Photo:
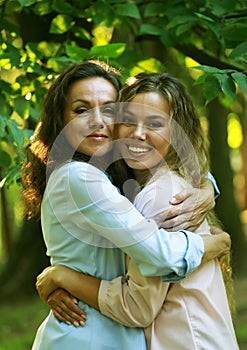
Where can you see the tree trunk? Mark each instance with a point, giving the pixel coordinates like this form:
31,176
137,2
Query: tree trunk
226,206
27,260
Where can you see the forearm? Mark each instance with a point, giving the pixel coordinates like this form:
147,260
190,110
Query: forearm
83,287
133,301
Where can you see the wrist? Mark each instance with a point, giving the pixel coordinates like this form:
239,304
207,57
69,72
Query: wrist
57,276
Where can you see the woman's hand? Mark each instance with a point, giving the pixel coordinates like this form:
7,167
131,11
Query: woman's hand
45,283
189,208
216,245
65,309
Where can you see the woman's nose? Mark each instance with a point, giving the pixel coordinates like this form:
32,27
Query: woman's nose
140,132
96,120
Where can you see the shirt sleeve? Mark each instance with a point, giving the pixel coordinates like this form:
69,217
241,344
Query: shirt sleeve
98,214
133,301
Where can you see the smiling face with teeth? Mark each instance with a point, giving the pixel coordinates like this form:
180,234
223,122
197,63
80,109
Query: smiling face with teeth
144,130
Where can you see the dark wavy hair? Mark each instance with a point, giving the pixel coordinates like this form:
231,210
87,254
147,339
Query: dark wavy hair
34,169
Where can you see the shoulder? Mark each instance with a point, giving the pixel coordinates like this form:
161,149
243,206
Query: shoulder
167,180
81,170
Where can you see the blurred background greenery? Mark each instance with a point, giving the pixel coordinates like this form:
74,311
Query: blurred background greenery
203,43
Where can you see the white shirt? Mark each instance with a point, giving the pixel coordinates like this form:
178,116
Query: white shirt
191,314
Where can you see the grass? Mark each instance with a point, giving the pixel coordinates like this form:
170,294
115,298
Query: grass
19,321
21,318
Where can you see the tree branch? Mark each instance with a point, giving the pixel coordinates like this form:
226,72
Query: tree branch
204,58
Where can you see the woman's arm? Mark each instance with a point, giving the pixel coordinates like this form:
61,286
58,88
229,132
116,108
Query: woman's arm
133,301
189,208
92,202
81,286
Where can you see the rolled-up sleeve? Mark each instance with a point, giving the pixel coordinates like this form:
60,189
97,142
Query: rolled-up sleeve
133,301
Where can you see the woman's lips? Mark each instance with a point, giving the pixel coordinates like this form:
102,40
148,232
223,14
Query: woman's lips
138,151
98,137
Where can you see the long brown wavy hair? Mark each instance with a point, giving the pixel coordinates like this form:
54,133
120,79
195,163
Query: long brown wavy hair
34,169
182,111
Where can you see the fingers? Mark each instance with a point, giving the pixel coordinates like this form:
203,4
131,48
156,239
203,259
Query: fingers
66,319
216,246
183,222
180,197
65,308
215,230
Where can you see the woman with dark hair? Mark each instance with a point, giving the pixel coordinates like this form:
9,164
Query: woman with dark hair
87,225
161,139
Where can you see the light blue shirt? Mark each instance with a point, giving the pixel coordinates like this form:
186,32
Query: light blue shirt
88,226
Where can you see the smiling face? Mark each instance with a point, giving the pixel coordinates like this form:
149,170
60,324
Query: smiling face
144,130
89,115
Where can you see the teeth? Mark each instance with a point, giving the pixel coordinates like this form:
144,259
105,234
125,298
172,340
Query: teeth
137,149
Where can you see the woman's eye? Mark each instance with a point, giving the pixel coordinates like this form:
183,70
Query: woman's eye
154,125
109,112
81,110
127,121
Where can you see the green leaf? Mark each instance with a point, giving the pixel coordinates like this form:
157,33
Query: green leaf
223,6
211,88
17,133
227,85
33,51
129,10
110,50
49,49
5,159
61,24
5,87
241,80
182,19
235,32
13,54
34,113
184,28
2,127
77,53
5,108
210,69
21,106
154,9
62,6
150,65
81,33
239,50
201,79
13,175
58,64
43,8
203,17
26,2
151,29
167,38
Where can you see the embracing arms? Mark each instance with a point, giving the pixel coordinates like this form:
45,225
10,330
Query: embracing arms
127,293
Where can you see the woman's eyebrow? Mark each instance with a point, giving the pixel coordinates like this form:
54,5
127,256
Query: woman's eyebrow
126,110
81,101
157,116
89,102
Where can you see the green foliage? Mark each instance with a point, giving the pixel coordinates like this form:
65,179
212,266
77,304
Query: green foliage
41,38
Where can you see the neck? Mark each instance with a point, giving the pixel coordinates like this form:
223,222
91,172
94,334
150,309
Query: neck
144,175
